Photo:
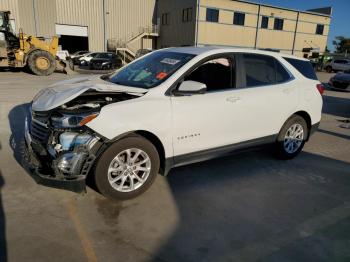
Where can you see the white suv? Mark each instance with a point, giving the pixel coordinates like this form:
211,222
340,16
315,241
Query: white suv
169,108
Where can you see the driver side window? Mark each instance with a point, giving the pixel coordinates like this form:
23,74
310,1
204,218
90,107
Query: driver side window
217,74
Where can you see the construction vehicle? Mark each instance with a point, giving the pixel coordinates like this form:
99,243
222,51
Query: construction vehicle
26,50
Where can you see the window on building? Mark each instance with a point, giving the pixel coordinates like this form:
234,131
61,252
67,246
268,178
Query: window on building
264,22
319,29
238,18
260,70
187,14
166,19
217,74
212,15
278,24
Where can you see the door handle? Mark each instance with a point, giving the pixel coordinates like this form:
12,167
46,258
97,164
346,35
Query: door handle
233,99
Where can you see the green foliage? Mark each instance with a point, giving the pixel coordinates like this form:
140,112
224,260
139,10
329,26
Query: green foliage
342,44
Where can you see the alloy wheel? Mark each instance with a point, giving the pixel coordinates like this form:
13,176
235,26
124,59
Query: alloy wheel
293,138
129,170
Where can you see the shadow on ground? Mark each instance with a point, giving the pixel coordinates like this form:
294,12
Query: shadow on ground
334,134
336,106
3,244
251,207
17,117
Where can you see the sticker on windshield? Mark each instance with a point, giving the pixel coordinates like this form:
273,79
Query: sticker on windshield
170,61
161,75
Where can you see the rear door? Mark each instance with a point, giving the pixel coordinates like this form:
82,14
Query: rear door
267,97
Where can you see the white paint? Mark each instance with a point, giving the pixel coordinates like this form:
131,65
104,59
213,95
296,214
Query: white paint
72,30
208,120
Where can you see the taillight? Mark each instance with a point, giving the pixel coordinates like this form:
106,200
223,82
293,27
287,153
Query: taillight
320,88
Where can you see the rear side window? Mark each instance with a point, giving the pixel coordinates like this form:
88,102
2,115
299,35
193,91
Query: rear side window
304,67
264,70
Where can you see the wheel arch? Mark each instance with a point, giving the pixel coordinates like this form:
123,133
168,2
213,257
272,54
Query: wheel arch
29,53
306,116
153,139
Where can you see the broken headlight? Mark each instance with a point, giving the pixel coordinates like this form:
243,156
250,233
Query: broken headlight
72,121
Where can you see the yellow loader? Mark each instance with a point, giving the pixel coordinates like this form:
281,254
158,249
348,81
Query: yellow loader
26,51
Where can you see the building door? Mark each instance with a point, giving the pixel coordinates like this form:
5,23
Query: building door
73,38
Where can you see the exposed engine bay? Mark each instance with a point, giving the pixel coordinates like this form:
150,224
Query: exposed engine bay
60,138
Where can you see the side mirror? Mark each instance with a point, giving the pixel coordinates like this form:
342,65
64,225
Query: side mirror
190,88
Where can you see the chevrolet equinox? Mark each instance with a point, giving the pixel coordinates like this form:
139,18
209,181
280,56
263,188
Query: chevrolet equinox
171,107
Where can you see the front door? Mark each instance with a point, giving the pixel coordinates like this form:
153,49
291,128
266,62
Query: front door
205,121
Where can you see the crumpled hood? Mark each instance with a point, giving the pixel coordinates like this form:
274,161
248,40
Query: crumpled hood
65,91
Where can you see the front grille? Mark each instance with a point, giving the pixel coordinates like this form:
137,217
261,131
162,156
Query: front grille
38,128
39,132
341,85
42,117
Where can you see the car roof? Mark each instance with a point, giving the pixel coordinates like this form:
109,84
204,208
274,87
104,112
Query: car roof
220,49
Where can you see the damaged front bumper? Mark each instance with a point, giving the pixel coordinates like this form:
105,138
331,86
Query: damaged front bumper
67,170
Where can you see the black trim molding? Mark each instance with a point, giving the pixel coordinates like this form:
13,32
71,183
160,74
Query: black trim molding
208,154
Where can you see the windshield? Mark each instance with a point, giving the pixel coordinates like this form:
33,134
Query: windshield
151,70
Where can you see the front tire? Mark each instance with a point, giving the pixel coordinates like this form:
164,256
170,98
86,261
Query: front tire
41,63
127,168
292,137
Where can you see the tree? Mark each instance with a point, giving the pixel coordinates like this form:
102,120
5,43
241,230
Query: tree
342,44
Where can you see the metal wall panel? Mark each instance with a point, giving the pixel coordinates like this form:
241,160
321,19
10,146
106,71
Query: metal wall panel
177,33
11,5
45,17
26,13
127,18
84,13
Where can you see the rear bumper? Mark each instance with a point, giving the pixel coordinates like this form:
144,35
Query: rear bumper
76,184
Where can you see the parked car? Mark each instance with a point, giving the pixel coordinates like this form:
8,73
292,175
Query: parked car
142,52
63,54
85,59
173,107
105,61
341,81
337,65
79,53
75,58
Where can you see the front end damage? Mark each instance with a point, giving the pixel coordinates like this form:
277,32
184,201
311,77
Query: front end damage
60,148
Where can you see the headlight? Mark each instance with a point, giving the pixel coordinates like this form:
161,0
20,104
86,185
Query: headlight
71,121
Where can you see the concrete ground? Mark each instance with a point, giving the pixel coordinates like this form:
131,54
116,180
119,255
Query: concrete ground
248,207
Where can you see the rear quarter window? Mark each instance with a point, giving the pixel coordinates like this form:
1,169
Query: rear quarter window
304,67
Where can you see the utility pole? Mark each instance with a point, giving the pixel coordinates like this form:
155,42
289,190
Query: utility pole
35,19
257,28
104,25
295,32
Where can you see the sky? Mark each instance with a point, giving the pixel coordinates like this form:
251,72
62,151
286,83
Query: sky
340,23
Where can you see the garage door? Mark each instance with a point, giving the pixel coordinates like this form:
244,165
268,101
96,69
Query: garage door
72,30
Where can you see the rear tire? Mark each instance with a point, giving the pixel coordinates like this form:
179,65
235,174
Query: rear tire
292,137
41,63
120,172
329,69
